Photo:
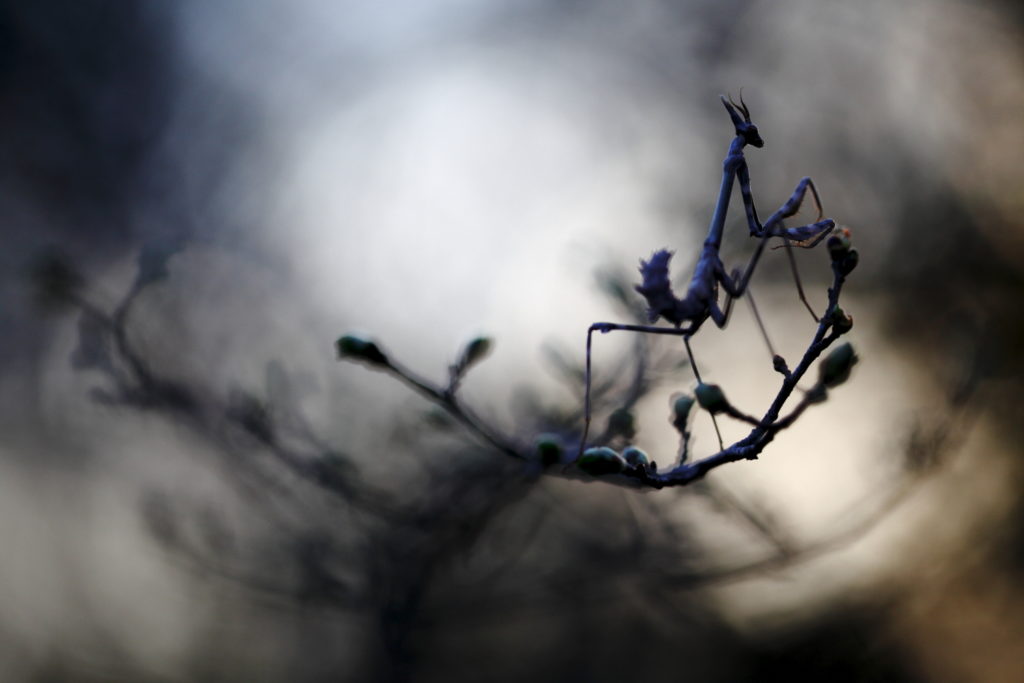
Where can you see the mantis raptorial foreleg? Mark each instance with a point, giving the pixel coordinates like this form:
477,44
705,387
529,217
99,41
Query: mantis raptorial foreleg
804,236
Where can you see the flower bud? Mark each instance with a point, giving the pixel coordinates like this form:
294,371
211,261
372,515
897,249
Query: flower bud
549,449
635,457
601,460
356,347
711,398
817,394
622,423
848,262
841,322
835,369
838,244
475,350
681,408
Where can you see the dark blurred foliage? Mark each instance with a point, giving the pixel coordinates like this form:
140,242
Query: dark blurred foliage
86,89
459,562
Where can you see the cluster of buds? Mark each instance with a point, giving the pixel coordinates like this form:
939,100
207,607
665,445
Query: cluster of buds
603,460
621,429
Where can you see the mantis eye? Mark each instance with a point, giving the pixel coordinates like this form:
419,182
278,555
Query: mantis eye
752,136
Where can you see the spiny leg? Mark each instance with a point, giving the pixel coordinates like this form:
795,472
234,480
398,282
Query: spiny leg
737,284
789,208
605,328
805,236
792,205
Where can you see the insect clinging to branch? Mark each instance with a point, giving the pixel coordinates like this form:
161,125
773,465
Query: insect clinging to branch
701,301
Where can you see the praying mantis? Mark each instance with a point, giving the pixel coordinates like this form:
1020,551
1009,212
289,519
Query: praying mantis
688,314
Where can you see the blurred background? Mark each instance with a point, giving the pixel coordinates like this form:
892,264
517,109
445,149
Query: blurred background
199,198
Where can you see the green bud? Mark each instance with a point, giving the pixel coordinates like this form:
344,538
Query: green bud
475,350
835,369
841,322
817,394
838,244
635,457
356,347
849,262
681,408
622,423
599,461
711,398
549,449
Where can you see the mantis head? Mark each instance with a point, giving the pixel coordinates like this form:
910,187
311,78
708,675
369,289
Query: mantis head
740,116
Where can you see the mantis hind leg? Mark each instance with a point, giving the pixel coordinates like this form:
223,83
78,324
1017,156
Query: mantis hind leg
605,328
796,280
